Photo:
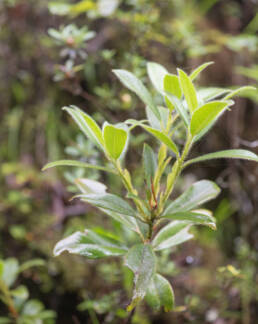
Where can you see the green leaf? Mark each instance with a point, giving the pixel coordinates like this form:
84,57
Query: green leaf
172,234
134,84
87,125
78,164
89,186
115,140
149,163
172,85
207,94
206,115
163,138
109,202
198,193
202,217
199,69
227,154
32,307
57,8
20,292
188,90
5,320
127,221
32,263
84,244
160,294
174,102
141,260
238,91
156,73
10,272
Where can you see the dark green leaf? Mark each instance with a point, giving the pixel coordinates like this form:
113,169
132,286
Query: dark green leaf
141,260
198,193
109,202
149,163
172,234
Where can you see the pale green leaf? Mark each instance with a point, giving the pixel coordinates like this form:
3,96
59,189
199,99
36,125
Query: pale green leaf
172,234
163,138
115,140
196,195
227,154
32,263
174,102
10,271
160,294
134,84
207,94
21,292
199,69
89,186
78,164
188,90
206,115
172,85
238,91
87,125
141,260
156,73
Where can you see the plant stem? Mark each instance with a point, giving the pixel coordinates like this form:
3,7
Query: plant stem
8,299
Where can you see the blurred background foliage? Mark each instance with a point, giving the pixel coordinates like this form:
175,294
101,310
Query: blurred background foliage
56,53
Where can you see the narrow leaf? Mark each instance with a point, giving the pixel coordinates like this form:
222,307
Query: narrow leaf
238,91
207,94
198,193
134,84
141,260
227,154
188,90
80,243
160,294
89,186
172,85
149,163
172,234
156,73
206,115
194,217
163,138
199,69
87,125
109,202
180,109
78,164
115,140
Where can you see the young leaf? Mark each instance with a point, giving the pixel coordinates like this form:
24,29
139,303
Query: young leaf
134,84
198,193
115,140
160,293
109,202
207,94
202,217
237,91
174,102
89,186
88,126
172,85
172,234
78,164
149,163
206,115
199,69
141,260
80,243
227,154
163,138
188,90
156,73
